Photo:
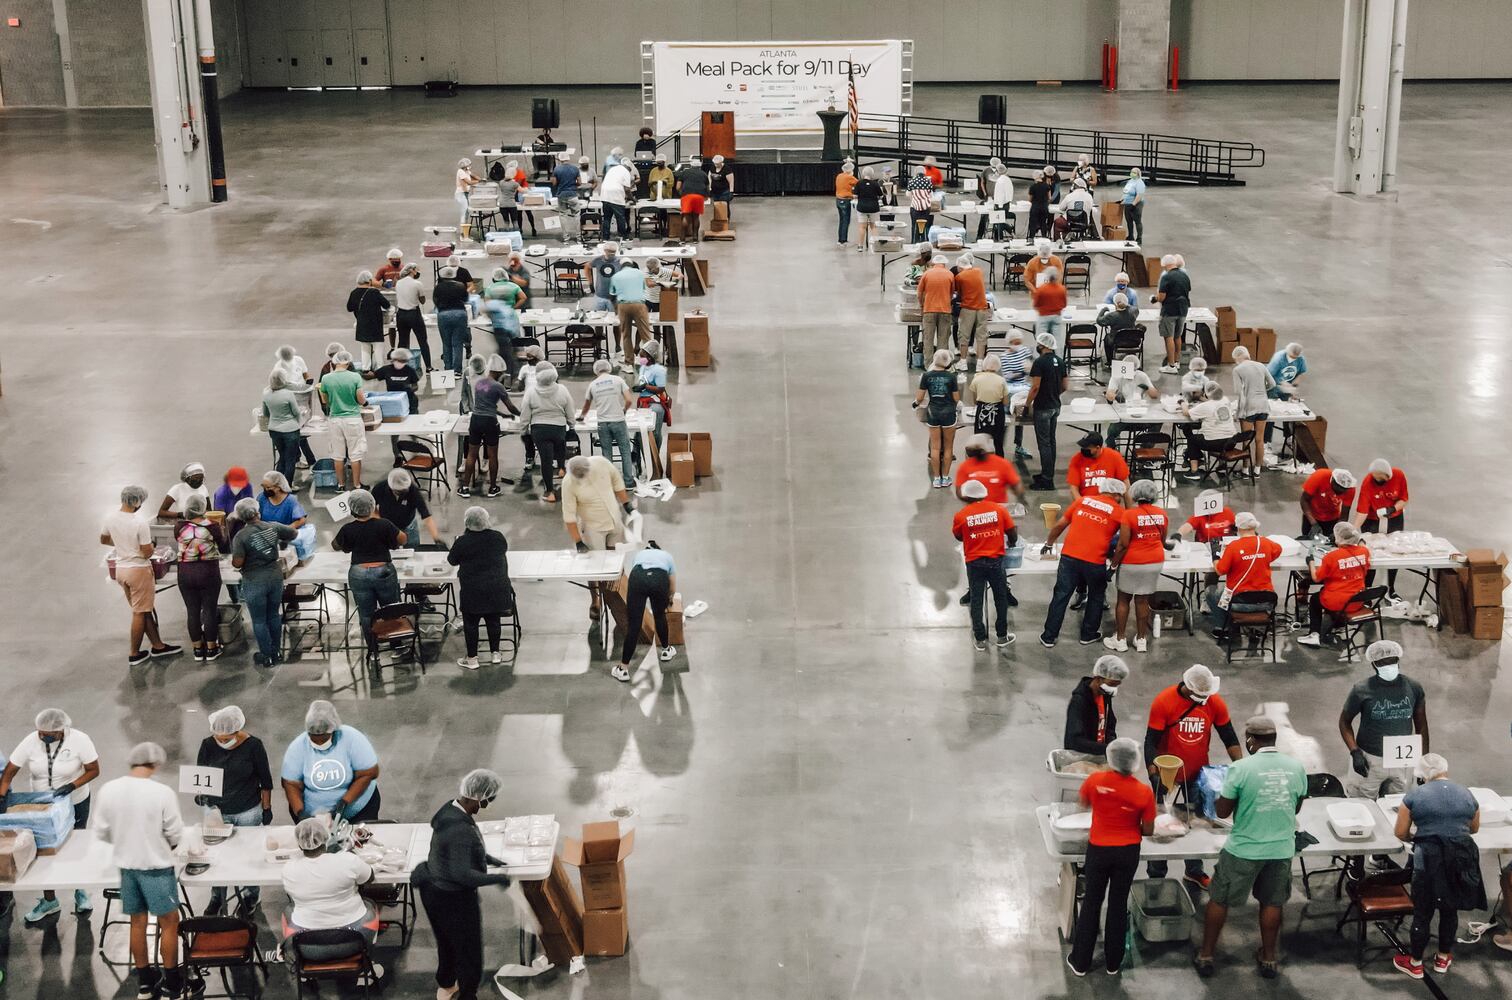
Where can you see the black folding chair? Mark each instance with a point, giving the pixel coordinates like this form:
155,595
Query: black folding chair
396,628
355,961
221,945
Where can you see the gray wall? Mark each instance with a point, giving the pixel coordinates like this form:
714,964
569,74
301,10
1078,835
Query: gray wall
31,65
109,53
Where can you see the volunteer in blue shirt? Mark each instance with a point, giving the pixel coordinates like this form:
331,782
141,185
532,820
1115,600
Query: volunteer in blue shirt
1121,287
628,288
1287,366
331,769
565,178
653,578
1133,205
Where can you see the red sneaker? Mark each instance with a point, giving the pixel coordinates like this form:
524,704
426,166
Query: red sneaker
1408,966
1200,879
1441,963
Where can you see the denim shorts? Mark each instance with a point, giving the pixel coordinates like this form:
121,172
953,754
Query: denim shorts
149,890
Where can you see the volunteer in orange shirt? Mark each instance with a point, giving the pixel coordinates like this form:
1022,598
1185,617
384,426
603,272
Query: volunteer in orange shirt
936,287
1245,566
1208,527
845,185
1090,525
1326,494
1123,813
1094,462
1379,503
1182,720
996,473
1042,260
1138,562
1342,573
985,530
932,171
1049,299
971,292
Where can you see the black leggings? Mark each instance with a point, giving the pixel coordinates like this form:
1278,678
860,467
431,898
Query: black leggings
470,631
413,321
551,442
1109,871
655,586
199,585
1422,924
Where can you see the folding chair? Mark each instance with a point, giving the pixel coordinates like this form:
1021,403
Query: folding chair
397,628
511,618
1234,455
392,896
1081,349
1151,458
419,460
1357,617
1129,343
357,964
1013,270
584,340
1324,786
1248,624
1381,899
566,280
222,944
590,225
1078,271
304,603
113,898
648,217
1078,223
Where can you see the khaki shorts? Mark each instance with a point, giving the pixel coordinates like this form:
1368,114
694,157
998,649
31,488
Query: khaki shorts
348,439
139,585
602,539
1235,879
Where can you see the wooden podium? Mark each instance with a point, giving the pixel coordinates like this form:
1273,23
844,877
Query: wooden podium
717,135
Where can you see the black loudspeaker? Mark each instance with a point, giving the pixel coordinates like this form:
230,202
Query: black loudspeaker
544,113
992,109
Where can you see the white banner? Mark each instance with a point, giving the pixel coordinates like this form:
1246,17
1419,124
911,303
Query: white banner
773,86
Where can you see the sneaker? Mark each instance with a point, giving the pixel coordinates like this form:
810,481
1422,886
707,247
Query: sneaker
1047,643
260,660
1004,641
1204,967
496,657
468,663
199,655
668,653
1200,879
1190,477
213,653
371,978
619,673
1141,645
1095,637
44,908
1310,639
147,983
1170,369
1116,644
965,600
464,491
1077,600
82,903
1019,452
1074,970
1407,966
494,491
167,650
136,658
1219,635
1441,963
981,645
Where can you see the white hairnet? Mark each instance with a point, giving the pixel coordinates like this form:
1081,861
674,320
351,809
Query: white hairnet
364,277
277,479
133,496
227,720
1380,467
1114,487
974,489
940,359
1432,765
52,720
342,358
939,258
334,348
1197,364
1294,350
1245,521
1169,260
1200,680
1045,340
361,503
578,466
1143,491
497,364
1240,354
546,377
1123,755
321,718
1121,300
312,834
1345,533
480,784
1043,246
146,755
447,272
1121,278
1383,651
1111,668
400,480
1343,478
246,510
195,505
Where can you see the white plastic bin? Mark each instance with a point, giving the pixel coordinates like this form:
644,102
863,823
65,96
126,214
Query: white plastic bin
1068,783
1162,910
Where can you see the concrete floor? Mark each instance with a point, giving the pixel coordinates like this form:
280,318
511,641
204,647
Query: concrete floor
836,801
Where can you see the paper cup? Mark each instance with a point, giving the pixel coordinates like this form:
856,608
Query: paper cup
1051,513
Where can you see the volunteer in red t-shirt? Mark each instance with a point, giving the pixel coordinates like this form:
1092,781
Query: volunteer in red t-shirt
985,530
1245,567
1379,505
1208,527
1181,723
992,470
1326,494
1090,525
1123,813
1093,462
1342,573
1138,562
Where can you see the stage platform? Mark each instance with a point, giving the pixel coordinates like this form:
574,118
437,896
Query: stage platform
784,171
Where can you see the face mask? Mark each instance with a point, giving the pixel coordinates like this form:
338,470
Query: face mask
485,803
50,738
226,744
1388,673
1109,691
320,746
1199,699
1088,453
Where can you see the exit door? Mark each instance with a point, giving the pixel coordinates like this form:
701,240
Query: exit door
338,69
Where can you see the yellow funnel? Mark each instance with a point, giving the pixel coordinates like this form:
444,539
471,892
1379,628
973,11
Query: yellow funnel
1168,765
1051,513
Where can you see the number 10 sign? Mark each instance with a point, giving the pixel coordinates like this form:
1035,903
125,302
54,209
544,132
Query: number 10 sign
201,780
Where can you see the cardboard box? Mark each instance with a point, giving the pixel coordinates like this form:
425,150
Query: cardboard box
556,907
681,470
675,621
1153,271
667,311
1111,214
701,444
605,932
1453,605
18,849
1312,441
695,353
1486,623
1134,267
1260,341
677,443
1228,326
1487,578
603,886
599,858
1115,233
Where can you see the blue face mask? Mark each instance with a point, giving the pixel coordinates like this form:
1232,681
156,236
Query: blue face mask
1388,673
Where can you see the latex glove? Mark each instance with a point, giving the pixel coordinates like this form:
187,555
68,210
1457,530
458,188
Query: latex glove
1361,765
1046,549
201,800
628,506
267,817
582,546
64,792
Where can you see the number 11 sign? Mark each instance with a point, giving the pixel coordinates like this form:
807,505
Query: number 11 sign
201,781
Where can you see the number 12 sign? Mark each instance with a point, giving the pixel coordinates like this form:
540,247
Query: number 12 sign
1401,751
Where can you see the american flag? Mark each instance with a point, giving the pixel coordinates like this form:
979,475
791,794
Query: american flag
850,99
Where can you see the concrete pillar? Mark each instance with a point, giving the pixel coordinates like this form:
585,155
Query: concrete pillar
1144,42
173,71
1370,96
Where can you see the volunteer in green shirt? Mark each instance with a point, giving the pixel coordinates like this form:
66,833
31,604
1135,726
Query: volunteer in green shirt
341,390
1262,794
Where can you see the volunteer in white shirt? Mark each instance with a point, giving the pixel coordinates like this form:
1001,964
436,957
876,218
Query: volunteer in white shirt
139,818
1080,197
130,539
409,296
63,760
323,890
1216,427
615,191
191,482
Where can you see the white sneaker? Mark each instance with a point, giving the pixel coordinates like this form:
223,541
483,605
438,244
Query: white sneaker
1171,369
497,657
1310,639
619,673
468,663
960,365
668,652
1116,643
1141,645
442,993
371,980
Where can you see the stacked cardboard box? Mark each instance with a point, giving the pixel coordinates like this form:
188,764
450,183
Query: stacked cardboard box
1111,215
1484,580
555,904
1228,331
696,340
1260,341
680,462
600,860
720,227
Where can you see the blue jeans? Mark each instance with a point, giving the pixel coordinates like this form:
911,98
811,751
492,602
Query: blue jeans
372,586
286,448
264,600
843,206
248,894
982,574
617,217
1055,325
454,331
1072,574
610,434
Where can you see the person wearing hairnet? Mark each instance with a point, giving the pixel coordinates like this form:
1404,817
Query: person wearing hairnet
1326,495
1387,703
1182,720
330,769
985,530
934,294
1378,508
1137,563
129,537
1342,573
201,542
372,580
344,397
60,759
1252,385
1174,295
246,797
370,308
481,556
1091,723
1090,525
254,551
323,894
139,818
1262,793
920,203
1123,813
1437,818
1213,425
449,880
401,502
1040,193
191,483
1245,567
